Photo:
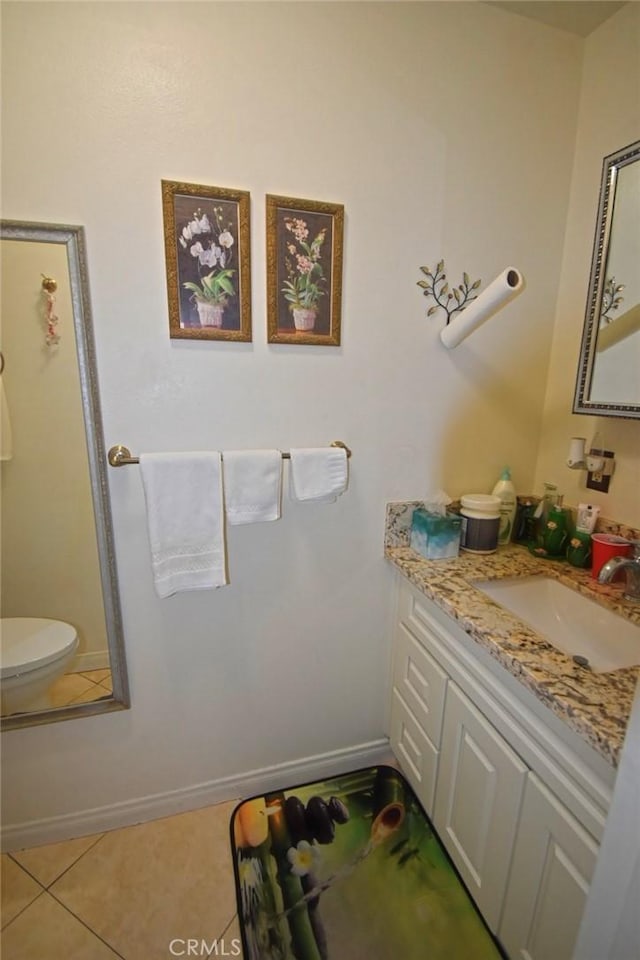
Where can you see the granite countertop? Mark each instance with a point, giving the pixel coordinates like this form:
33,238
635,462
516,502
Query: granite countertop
595,705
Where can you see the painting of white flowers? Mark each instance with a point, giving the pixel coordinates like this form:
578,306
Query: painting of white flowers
304,271
207,249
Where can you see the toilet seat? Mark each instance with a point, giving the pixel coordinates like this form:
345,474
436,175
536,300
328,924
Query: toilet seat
28,643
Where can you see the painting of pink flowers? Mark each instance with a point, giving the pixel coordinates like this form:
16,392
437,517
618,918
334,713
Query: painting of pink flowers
206,231
304,271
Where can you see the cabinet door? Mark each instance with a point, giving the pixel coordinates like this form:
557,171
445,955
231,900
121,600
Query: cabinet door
478,797
416,754
553,862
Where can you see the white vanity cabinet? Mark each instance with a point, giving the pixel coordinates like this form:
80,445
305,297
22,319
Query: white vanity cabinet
517,798
479,792
553,861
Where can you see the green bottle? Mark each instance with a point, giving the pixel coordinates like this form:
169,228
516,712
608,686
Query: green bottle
555,533
579,549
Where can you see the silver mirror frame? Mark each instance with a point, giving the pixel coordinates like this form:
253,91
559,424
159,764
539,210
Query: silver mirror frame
74,240
581,403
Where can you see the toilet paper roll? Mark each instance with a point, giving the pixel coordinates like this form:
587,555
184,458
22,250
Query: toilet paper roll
497,295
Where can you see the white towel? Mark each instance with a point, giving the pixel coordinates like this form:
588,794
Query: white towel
318,474
183,493
252,484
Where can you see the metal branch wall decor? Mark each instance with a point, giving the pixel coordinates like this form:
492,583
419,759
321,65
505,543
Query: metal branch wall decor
451,300
611,299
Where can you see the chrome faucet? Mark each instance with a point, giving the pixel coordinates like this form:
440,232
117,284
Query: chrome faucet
631,567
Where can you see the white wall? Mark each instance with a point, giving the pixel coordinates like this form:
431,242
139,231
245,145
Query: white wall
447,130
608,119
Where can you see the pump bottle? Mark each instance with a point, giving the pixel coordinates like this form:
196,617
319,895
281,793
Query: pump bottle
505,490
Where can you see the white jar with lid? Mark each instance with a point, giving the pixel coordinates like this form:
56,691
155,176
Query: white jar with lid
480,514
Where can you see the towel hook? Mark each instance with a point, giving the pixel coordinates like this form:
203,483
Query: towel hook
49,286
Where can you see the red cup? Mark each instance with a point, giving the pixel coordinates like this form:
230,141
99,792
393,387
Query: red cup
605,546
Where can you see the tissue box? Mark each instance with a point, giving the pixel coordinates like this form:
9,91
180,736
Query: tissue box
434,536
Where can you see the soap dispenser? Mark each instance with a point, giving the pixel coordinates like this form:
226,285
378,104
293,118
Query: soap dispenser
505,490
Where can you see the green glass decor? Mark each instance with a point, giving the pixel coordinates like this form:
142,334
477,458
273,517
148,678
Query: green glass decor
555,533
579,549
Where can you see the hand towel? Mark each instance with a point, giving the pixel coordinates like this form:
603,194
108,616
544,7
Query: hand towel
183,494
319,474
252,484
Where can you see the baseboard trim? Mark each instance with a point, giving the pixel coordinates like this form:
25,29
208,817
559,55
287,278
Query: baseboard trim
93,660
100,819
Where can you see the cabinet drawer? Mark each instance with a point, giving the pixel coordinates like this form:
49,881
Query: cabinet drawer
416,754
413,610
421,682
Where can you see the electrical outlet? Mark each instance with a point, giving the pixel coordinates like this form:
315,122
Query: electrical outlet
600,481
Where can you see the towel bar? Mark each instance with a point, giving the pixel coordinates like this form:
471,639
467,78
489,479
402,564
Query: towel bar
120,456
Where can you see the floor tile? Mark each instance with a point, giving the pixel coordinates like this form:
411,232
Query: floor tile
46,930
67,688
232,939
47,863
96,676
18,889
96,692
143,886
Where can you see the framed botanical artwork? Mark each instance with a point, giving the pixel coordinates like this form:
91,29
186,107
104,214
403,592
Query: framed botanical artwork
304,271
207,250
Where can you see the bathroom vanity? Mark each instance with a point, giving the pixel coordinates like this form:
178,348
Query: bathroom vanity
510,745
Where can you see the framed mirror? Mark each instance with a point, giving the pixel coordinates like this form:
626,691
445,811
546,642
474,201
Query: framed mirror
62,650
608,382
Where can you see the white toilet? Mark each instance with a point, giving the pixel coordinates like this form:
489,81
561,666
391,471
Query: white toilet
33,653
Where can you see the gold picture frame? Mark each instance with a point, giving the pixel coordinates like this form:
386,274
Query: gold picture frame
304,271
208,260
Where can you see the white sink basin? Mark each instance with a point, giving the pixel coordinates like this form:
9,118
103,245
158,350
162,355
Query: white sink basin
570,621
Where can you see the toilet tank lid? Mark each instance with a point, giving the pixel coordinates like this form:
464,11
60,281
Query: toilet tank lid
30,642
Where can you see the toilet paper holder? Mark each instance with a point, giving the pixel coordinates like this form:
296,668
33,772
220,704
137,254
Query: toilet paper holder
466,310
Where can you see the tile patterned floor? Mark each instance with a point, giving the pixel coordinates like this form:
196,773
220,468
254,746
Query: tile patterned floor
138,893
81,687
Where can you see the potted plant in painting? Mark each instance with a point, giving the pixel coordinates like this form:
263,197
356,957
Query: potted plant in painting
302,290
211,244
